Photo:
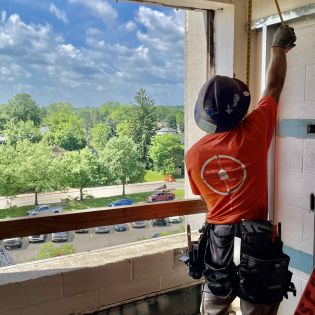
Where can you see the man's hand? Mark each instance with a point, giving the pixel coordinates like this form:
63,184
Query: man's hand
283,41
284,37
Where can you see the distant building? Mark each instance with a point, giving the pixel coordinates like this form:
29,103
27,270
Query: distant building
166,131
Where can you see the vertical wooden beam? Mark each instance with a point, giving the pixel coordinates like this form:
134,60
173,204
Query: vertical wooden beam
210,44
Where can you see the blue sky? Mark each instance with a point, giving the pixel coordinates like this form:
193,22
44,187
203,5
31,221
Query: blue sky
88,52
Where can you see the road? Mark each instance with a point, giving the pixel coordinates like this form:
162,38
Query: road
91,241
97,192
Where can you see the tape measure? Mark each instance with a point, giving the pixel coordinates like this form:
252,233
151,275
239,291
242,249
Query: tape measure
249,23
279,12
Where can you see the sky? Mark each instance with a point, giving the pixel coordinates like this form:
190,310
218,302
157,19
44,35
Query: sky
88,52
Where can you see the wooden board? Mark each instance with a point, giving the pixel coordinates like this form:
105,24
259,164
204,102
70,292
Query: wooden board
69,221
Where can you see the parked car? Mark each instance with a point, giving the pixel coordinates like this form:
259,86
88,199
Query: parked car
44,210
138,224
121,202
36,238
12,242
159,222
162,195
175,219
82,231
101,229
59,237
121,227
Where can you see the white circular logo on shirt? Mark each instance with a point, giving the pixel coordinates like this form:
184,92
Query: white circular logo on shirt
223,174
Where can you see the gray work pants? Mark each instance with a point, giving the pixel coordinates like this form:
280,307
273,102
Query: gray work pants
213,305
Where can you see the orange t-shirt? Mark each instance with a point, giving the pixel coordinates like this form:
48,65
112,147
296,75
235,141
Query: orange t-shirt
229,169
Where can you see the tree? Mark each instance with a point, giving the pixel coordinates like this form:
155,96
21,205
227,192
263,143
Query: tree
100,136
22,130
180,120
59,107
143,124
81,169
38,169
171,121
9,177
22,108
122,161
65,129
3,117
167,153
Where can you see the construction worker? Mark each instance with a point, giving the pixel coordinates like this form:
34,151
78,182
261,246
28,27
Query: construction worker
228,169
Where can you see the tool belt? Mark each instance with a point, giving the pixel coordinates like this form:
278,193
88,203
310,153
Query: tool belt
195,258
262,277
263,271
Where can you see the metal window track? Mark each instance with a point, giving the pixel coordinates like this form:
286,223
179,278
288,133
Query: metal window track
287,16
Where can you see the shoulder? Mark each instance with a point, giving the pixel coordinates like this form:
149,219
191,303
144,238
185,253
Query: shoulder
195,149
267,100
266,106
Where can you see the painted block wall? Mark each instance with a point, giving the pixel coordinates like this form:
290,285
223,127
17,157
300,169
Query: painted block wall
295,158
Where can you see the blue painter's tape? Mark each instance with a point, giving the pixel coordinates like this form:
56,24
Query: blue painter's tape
296,128
299,260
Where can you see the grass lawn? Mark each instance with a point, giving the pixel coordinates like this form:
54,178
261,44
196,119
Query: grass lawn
152,176
85,204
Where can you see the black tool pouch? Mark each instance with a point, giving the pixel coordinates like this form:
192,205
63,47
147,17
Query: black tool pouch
264,277
220,272
195,258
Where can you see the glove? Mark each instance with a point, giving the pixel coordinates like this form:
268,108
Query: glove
284,37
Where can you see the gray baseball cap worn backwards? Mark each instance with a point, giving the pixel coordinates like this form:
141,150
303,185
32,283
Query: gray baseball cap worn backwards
222,104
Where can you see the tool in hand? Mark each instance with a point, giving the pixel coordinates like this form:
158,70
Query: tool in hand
279,12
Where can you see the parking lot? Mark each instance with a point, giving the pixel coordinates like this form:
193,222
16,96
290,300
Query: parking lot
83,242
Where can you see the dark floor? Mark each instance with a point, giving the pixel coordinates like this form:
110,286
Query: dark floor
180,302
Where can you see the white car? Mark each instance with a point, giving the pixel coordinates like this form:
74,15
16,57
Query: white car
12,242
102,229
59,237
175,219
36,238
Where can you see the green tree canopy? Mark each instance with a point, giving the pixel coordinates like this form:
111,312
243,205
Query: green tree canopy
81,169
180,120
65,129
22,130
143,124
9,177
37,168
122,161
100,136
167,153
59,107
22,108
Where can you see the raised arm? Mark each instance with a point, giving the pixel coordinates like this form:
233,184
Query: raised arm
283,41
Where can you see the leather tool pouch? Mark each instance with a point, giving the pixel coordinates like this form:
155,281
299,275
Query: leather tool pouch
220,272
263,273
195,260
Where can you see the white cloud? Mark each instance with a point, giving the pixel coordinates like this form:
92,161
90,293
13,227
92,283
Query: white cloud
130,26
60,15
33,54
99,8
68,50
26,40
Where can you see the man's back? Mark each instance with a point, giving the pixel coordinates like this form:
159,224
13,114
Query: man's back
229,169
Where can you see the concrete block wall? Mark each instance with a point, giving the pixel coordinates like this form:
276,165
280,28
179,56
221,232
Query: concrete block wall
295,158
95,279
